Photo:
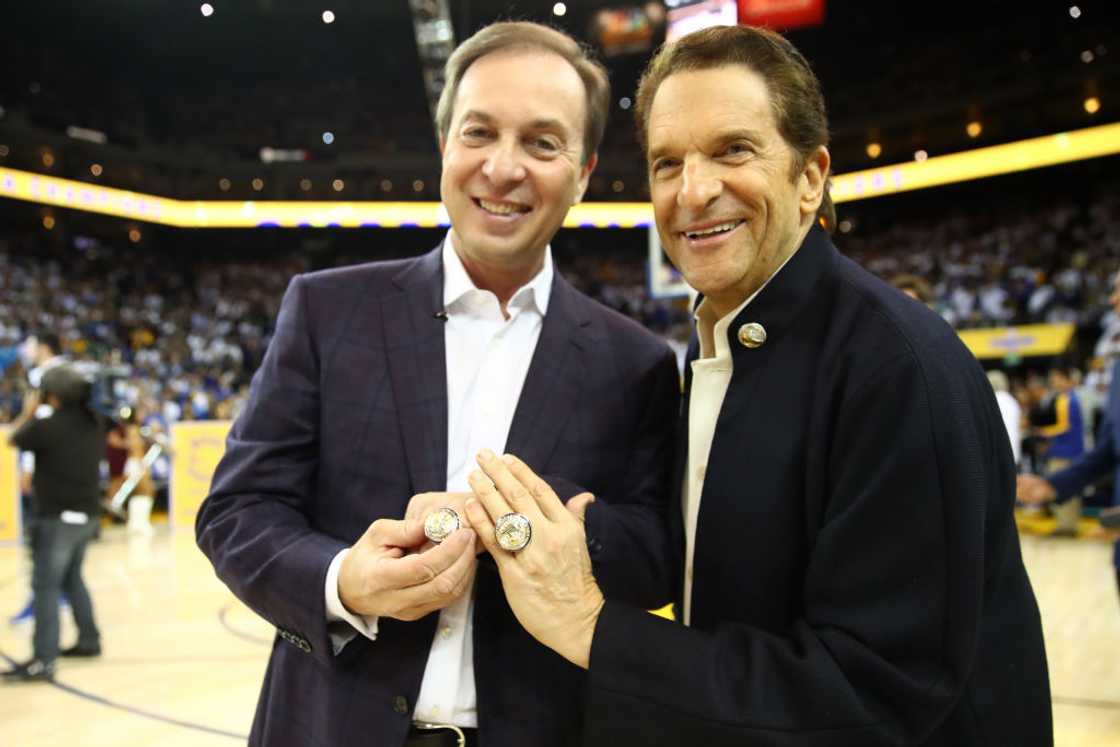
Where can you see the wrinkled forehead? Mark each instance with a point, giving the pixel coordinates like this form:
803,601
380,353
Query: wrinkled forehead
699,101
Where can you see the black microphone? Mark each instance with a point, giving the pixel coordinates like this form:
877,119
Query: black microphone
441,315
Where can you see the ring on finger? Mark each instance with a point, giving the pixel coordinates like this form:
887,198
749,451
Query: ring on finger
513,531
439,524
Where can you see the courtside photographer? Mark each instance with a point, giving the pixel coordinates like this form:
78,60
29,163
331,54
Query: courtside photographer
68,445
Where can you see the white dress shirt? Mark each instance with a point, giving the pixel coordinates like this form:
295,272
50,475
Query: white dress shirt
711,375
488,357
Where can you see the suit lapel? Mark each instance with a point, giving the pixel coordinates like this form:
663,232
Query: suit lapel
415,349
553,383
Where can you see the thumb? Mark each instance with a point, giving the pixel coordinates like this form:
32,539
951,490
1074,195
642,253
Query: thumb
403,533
578,504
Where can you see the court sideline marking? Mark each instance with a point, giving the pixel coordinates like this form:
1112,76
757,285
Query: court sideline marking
131,709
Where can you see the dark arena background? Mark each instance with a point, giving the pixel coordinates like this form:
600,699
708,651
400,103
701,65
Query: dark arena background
167,166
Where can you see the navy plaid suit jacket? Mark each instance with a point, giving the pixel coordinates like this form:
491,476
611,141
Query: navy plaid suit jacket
347,420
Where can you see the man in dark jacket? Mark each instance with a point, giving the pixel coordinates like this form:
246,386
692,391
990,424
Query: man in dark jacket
849,567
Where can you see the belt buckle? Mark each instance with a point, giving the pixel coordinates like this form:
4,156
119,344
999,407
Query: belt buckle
427,726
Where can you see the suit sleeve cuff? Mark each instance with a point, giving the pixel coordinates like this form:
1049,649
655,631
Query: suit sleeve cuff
337,613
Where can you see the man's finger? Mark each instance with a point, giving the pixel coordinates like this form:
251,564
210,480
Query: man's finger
488,495
577,504
450,584
516,493
420,568
543,495
396,533
483,524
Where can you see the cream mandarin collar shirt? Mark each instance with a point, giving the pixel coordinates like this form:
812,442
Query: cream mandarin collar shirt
711,375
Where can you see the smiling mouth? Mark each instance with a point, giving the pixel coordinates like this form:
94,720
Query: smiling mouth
722,228
501,208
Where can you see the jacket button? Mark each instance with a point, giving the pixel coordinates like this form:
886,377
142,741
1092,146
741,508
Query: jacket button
752,335
400,705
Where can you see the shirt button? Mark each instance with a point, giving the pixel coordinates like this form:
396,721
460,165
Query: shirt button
400,704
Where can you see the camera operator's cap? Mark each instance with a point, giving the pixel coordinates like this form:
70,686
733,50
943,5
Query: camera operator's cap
67,384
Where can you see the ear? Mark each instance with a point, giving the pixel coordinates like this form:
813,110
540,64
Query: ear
585,177
812,180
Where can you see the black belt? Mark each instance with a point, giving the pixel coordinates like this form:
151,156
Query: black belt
431,735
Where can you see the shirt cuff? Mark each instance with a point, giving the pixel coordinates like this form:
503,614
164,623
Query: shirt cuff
337,613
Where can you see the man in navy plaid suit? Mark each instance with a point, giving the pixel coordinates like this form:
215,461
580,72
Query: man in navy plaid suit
381,383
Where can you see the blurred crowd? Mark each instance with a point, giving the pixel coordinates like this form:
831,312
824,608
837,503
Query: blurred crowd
183,336
1039,265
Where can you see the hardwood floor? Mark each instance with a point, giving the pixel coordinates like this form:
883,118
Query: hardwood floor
184,659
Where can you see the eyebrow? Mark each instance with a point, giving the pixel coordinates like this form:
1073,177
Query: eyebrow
721,138
545,123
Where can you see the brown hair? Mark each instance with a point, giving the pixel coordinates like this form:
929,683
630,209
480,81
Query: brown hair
795,92
521,35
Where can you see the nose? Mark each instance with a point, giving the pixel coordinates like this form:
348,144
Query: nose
700,186
502,165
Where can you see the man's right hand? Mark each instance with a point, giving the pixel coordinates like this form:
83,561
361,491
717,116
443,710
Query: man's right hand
1034,489
379,577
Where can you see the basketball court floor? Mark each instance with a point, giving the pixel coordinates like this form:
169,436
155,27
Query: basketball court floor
184,659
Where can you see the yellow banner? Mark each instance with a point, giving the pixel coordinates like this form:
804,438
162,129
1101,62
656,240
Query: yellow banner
1062,147
9,489
196,450
1022,341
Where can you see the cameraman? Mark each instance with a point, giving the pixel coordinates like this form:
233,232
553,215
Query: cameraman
68,445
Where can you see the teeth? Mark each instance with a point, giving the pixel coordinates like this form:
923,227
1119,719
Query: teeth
499,208
721,228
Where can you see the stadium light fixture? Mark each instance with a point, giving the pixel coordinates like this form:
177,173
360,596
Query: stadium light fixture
328,17
974,128
328,137
207,10
1074,12
96,169
559,9
1092,105
874,150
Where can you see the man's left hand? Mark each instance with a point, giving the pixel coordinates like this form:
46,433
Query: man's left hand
549,583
